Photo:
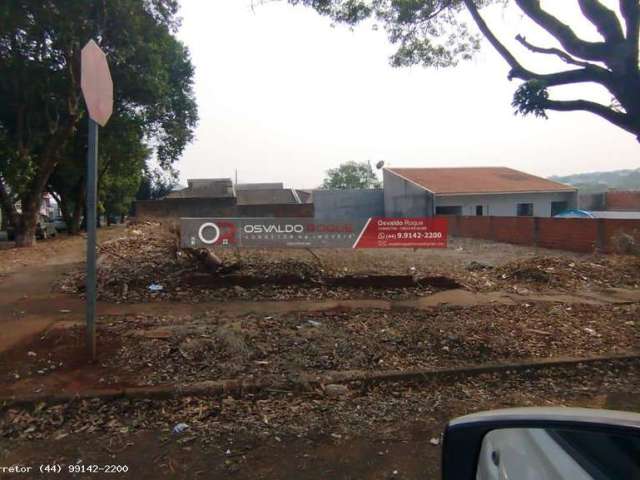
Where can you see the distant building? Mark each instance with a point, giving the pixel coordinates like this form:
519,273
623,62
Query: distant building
623,200
259,186
219,197
494,191
205,188
244,193
305,196
265,194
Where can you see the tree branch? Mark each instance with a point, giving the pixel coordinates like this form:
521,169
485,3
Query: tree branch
564,56
605,20
619,119
591,74
595,51
493,40
630,10
48,161
560,78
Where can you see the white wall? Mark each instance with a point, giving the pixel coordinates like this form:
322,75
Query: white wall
506,205
405,199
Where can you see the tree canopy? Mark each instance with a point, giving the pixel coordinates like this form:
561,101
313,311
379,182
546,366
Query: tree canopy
351,175
156,184
41,106
434,33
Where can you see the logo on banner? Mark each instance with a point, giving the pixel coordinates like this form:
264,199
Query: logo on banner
217,233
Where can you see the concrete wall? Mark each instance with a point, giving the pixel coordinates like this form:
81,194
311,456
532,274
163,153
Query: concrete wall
216,207
272,210
506,205
348,204
186,207
592,201
405,199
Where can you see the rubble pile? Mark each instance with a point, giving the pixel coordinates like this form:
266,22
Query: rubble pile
560,273
213,347
151,350
147,265
376,410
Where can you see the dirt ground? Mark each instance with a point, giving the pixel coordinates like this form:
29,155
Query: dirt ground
156,350
475,303
386,432
146,265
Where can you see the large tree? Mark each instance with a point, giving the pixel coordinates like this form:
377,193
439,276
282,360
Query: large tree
156,183
351,175
41,107
434,33
121,163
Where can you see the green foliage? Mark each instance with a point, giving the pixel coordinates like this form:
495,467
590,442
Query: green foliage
121,164
433,33
426,32
156,184
41,107
351,175
530,99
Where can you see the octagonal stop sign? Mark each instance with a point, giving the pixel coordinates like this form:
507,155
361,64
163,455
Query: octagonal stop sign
96,83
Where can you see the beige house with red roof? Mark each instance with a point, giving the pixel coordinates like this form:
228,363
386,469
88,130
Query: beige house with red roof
494,191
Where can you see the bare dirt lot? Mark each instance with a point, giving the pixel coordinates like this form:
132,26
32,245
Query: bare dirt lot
146,265
383,433
152,350
291,320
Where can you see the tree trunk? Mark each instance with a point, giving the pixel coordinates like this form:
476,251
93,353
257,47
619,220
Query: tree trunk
63,205
25,228
9,213
74,225
83,224
26,234
4,221
66,214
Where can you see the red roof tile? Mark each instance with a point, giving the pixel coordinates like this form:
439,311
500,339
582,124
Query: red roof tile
469,180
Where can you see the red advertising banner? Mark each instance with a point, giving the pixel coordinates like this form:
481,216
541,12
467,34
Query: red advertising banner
424,232
377,232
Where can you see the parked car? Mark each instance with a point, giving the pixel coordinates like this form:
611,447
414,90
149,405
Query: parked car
45,228
542,443
60,224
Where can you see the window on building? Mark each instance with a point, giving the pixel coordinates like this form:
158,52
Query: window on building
525,209
558,207
479,210
456,210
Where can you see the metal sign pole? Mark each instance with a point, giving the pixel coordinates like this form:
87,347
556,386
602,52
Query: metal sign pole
97,88
92,191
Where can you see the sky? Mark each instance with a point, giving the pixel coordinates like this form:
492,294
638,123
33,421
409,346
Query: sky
283,96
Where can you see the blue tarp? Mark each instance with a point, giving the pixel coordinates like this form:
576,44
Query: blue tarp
574,214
